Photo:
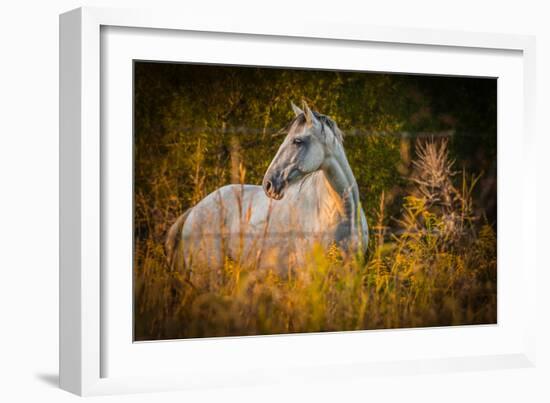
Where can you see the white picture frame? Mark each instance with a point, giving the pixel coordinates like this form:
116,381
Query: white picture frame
96,354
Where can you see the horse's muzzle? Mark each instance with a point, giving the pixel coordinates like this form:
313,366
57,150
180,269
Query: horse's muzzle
274,188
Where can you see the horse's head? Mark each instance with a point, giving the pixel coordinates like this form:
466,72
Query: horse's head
308,143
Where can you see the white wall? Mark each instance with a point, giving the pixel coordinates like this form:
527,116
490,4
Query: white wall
29,209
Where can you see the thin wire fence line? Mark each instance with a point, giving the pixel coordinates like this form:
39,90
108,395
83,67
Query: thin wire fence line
249,131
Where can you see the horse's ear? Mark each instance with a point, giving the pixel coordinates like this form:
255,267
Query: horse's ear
308,114
297,111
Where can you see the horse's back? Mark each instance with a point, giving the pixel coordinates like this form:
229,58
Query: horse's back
214,226
222,209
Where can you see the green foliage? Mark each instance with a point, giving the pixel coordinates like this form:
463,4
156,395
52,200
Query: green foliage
196,124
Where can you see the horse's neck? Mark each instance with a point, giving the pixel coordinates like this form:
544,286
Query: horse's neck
327,205
330,196
339,176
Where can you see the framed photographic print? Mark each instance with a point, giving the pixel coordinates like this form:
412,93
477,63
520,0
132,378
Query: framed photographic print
251,214
237,198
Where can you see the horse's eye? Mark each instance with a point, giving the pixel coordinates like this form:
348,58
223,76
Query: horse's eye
297,141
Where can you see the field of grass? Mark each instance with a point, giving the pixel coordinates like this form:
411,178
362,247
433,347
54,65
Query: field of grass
438,269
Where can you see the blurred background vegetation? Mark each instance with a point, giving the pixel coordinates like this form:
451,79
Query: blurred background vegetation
196,125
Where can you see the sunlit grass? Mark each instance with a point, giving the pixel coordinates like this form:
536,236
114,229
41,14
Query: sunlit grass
439,269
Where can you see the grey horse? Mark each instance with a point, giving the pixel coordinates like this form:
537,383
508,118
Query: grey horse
308,196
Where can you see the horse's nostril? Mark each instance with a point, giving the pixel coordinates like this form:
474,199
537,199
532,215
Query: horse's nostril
268,186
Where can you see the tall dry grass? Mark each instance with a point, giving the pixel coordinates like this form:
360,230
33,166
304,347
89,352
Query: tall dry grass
438,269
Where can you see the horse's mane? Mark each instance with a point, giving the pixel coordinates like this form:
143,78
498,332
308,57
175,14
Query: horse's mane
300,120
